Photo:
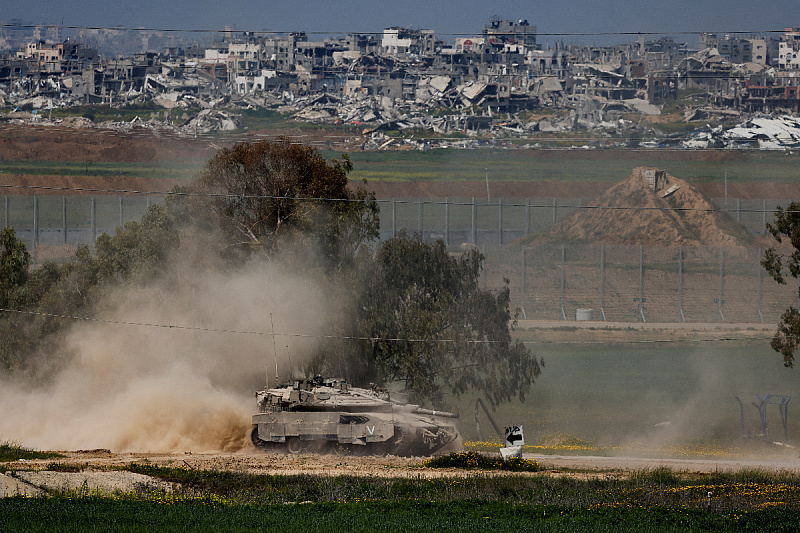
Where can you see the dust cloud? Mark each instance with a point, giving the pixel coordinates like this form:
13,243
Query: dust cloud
694,402
687,413
132,385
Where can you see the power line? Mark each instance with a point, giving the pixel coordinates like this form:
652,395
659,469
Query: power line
362,338
397,201
245,332
344,32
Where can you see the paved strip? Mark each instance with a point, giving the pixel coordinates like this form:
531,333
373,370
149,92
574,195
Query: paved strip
599,324
782,463
10,486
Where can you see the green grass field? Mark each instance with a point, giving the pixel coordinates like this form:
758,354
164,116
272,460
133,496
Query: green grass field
97,514
568,165
657,500
154,169
473,165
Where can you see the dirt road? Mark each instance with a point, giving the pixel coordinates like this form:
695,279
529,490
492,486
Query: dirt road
783,458
97,469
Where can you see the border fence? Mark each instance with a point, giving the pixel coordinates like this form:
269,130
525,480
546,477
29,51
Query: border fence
641,284
498,221
547,282
50,225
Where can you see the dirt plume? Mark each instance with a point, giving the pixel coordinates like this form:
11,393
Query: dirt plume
171,367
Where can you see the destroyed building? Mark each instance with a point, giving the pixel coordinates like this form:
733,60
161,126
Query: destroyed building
394,80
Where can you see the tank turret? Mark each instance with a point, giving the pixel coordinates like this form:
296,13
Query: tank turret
328,415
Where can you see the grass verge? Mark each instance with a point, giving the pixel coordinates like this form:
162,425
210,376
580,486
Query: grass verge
13,452
98,514
652,500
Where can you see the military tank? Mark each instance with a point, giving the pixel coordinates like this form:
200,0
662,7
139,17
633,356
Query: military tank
328,415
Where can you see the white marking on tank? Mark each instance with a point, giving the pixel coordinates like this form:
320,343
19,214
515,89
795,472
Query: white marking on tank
371,430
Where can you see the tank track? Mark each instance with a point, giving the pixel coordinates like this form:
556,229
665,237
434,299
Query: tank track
293,445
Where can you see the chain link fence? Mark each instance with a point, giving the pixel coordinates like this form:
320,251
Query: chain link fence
52,226
640,283
547,282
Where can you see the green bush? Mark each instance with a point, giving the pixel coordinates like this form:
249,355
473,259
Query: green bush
479,461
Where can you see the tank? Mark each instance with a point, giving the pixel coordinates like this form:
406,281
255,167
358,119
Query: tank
328,415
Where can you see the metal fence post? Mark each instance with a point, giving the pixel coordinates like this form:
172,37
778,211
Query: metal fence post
121,223
680,283
527,216
554,210
474,222
6,221
419,217
641,282
35,229
758,299
561,298
394,218
522,285
447,221
64,216
94,220
483,272
602,278
721,274
35,221
764,214
500,220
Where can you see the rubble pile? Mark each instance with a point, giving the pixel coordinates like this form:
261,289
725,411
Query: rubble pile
497,86
454,110
210,120
481,112
459,110
780,132
205,122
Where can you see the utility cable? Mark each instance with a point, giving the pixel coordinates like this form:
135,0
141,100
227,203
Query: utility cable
363,338
380,201
343,32
244,332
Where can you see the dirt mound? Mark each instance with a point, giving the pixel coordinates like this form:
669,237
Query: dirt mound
631,212
89,185
58,143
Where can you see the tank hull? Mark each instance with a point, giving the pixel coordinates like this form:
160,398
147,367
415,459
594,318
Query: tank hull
368,434
325,417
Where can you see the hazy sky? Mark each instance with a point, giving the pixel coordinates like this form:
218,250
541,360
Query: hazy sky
451,17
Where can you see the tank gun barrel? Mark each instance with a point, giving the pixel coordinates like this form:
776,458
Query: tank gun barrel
431,412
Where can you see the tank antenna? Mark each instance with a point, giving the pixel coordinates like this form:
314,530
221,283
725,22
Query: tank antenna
289,360
275,351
